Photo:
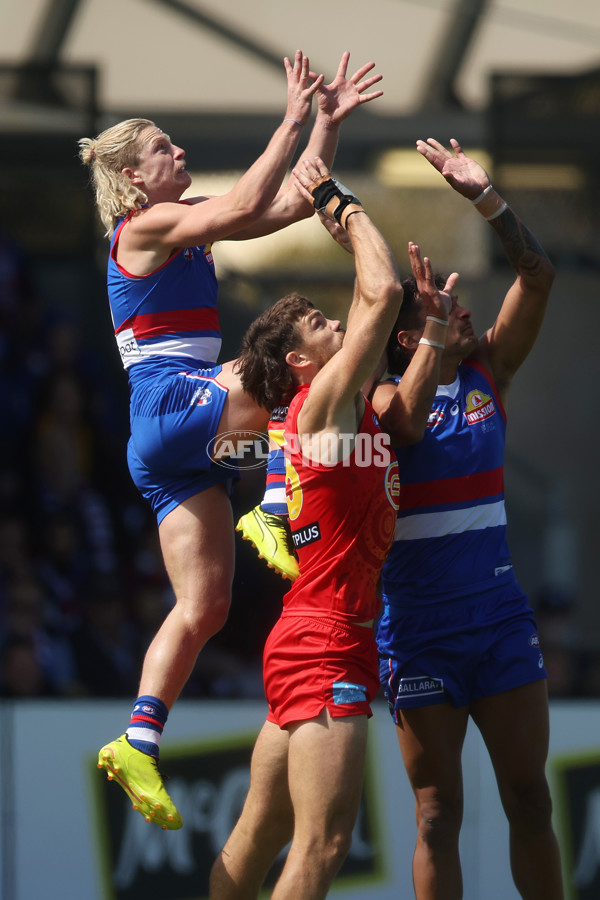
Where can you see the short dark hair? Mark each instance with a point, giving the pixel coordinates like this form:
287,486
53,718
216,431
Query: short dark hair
262,366
409,317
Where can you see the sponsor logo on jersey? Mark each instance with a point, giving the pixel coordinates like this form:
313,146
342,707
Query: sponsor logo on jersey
347,692
392,484
534,641
208,254
188,253
307,535
420,685
127,344
480,406
279,414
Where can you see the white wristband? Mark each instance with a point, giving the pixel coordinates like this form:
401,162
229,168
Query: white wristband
483,194
429,343
498,212
435,319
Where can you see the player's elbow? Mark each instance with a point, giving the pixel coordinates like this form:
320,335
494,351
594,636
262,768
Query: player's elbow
302,211
539,279
390,293
250,209
249,206
405,435
290,206
413,434
550,272
547,273
404,427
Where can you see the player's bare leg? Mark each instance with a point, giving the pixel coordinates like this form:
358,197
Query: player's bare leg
436,779
515,728
326,764
265,825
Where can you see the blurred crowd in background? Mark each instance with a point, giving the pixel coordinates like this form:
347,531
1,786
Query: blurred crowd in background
82,584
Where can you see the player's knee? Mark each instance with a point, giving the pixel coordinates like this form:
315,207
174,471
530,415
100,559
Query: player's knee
214,614
439,824
530,807
277,832
325,847
205,616
334,850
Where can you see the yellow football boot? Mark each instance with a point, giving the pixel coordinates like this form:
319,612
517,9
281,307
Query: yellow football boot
270,536
138,775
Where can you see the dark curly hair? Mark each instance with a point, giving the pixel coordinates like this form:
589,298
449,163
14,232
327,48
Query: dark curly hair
409,317
264,372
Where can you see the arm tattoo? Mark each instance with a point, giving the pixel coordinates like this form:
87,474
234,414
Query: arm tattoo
524,252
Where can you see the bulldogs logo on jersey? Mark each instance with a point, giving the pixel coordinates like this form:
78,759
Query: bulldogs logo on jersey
203,396
436,417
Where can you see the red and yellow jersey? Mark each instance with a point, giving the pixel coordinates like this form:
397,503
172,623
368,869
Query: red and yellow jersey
342,518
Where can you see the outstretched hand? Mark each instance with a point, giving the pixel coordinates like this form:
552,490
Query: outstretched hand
308,175
437,302
337,99
327,195
302,85
462,173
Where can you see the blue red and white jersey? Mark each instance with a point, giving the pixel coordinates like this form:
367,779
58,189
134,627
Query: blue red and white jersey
171,311
450,538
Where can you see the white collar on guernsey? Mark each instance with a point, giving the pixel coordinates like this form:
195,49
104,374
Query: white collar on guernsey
449,390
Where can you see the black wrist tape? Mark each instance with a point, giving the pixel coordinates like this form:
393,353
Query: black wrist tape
326,191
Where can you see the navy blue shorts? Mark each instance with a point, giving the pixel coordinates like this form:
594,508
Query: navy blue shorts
175,409
458,652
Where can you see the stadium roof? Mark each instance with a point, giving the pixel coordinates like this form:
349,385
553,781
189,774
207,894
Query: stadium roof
182,58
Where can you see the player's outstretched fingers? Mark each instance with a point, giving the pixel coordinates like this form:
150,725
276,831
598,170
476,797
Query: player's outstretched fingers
316,169
434,152
416,263
309,174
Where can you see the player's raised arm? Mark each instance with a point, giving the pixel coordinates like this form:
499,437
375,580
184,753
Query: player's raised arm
335,102
507,343
376,299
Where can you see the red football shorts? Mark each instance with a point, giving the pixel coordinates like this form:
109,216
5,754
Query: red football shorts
312,663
